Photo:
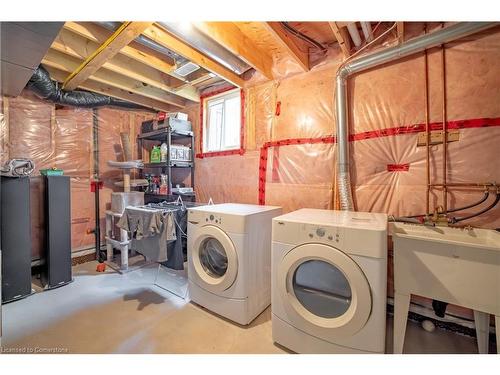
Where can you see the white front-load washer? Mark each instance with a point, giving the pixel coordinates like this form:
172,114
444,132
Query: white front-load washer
329,273
229,258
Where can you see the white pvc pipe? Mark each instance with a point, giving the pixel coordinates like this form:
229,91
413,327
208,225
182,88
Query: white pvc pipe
354,33
367,31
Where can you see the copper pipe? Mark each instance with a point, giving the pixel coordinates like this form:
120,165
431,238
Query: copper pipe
427,132
369,61
445,135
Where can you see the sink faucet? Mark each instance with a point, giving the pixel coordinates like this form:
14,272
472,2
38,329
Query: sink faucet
438,217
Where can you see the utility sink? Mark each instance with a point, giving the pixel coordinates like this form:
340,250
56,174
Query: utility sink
455,265
471,237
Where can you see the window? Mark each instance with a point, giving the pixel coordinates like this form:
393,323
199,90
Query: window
222,122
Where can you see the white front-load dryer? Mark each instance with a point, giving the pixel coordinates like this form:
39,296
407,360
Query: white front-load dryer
329,273
229,258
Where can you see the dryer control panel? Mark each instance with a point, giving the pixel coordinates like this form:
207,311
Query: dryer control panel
323,234
288,232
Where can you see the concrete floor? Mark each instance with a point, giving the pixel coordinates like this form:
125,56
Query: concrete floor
113,313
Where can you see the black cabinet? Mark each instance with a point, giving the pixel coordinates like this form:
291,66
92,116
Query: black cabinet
15,238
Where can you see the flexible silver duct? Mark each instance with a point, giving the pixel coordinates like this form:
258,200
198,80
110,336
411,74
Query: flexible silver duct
412,46
45,88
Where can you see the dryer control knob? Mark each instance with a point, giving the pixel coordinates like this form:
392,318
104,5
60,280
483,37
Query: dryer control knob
211,217
320,232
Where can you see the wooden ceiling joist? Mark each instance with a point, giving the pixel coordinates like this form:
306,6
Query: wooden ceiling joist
289,44
209,82
195,83
114,92
123,35
230,36
401,31
197,74
68,64
342,37
164,38
188,92
77,46
134,50
202,78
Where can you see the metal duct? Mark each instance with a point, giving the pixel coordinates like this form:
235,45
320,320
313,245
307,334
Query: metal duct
145,41
207,46
415,45
195,38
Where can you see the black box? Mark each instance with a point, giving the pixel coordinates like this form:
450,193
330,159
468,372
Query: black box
177,125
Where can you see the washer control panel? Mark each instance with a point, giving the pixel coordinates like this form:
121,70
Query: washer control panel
213,219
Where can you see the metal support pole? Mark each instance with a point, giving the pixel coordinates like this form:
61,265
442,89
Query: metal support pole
97,230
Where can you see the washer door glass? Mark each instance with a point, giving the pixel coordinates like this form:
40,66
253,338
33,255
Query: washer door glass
322,289
213,257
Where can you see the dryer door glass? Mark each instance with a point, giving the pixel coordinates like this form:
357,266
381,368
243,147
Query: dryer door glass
322,289
213,257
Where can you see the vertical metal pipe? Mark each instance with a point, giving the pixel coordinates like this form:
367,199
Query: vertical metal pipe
343,172
95,138
169,161
192,161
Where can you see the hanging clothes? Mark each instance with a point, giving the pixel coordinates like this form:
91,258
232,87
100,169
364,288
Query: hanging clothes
150,229
175,249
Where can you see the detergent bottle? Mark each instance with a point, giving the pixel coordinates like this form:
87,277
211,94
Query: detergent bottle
155,155
164,152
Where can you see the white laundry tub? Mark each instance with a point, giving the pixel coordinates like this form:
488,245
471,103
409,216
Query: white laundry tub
455,265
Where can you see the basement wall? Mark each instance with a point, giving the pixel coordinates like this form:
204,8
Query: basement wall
61,137
387,114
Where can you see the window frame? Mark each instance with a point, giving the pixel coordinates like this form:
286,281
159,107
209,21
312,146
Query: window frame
203,116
